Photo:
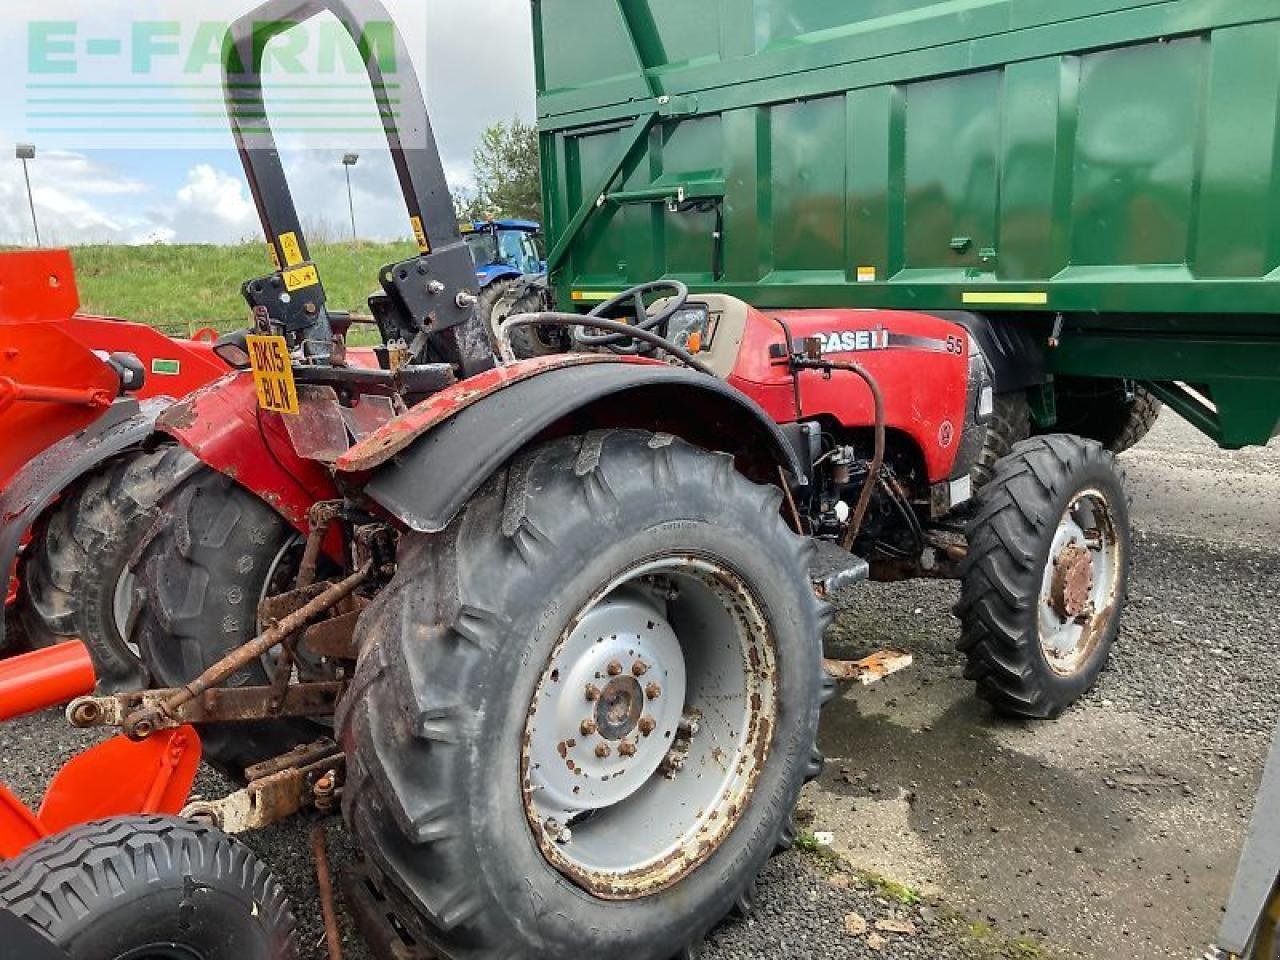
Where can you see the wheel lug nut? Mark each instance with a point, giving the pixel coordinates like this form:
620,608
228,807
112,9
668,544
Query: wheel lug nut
588,727
653,691
647,725
627,748
639,668
593,692
614,668
602,750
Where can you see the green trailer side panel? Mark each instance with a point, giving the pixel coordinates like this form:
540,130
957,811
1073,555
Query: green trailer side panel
1099,159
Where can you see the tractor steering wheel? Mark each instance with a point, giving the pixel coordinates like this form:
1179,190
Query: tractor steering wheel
676,291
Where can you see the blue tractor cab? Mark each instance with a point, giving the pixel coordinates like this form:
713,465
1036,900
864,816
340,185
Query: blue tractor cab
504,249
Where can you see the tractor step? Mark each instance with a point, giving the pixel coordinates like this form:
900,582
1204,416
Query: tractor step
833,569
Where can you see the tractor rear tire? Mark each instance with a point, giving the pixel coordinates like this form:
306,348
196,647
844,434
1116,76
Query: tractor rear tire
76,579
1044,583
462,656
219,551
1103,410
1010,424
496,304
136,887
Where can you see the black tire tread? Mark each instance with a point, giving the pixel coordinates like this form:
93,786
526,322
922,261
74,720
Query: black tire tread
185,579
1001,574
81,546
1010,424
400,769
53,884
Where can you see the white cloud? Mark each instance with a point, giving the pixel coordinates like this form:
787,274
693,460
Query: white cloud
212,207
66,187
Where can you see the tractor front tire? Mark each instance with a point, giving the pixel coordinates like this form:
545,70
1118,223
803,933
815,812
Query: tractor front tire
143,887
218,553
76,580
1044,583
556,648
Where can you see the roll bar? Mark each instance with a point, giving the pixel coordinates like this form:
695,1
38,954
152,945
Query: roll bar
431,294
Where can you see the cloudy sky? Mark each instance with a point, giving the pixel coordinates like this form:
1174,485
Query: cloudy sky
133,147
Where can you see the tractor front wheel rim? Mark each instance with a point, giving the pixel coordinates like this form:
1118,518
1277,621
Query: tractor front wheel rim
1081,583
649,727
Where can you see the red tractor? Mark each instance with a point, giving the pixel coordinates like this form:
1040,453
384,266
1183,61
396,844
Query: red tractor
561,615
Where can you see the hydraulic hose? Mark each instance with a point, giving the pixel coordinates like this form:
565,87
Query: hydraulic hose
877,460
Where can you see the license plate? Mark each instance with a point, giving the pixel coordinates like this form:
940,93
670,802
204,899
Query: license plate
273,374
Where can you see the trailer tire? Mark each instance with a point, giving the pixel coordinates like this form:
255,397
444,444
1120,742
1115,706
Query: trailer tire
459,654
1031,576
76,579
118,888
1010,424
1103,410
218,551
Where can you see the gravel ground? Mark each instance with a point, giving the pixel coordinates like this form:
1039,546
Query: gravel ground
1110,833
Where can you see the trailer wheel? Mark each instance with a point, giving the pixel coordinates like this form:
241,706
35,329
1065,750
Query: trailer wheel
76,579
150,888
199,581
583,713
1106,411
1044,582
1010,424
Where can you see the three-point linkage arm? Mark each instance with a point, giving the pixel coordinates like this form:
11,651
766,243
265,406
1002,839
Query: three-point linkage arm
428,299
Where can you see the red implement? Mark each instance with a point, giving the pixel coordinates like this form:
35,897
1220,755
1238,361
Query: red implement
115,778
43,679
112,779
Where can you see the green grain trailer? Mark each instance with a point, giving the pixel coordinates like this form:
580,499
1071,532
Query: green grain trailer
1096,181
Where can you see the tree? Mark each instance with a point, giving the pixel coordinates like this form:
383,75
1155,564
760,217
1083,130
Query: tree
507,174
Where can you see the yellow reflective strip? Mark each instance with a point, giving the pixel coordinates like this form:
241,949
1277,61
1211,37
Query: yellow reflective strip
596,296
1002,299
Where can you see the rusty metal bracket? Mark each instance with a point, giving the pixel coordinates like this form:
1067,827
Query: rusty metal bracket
308,777
868,670
219,705
141,723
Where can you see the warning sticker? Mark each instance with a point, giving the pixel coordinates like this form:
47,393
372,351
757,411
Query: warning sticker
866,274
420,233
301,278
273,374
291,249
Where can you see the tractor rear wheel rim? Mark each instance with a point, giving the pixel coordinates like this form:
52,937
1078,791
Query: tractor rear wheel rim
1081,583
122,607
649,727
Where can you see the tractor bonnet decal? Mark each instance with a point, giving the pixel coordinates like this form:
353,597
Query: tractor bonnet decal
861,341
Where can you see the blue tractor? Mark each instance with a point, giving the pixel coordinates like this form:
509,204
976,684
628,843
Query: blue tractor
512,275
504,250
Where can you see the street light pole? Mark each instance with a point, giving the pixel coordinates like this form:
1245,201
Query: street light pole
25,152
349,161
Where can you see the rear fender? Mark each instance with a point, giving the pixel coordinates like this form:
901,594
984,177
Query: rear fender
125,425
423,467
224,428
